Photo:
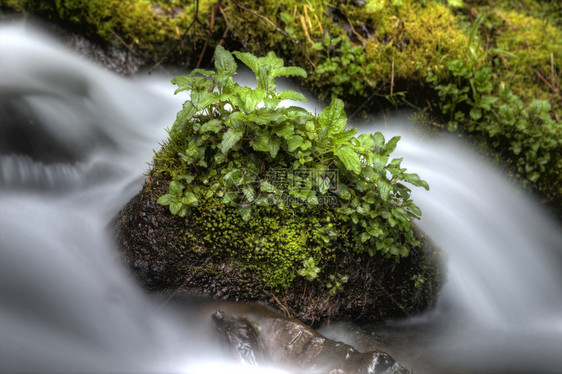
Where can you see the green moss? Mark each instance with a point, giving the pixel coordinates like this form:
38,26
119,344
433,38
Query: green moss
146,26
535,51
273,243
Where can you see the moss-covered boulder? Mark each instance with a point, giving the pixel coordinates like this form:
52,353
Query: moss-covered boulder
276,203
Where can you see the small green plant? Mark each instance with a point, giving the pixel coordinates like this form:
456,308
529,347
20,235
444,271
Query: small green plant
336,283
524,135
343,64
309,270
177,200
228,139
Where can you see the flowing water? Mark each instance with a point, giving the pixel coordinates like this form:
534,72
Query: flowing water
75,141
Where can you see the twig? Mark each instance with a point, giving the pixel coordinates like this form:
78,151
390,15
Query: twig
281,305
392,78
211,25
123,42
553,88
262,17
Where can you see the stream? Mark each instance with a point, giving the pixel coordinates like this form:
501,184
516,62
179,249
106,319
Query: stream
75,142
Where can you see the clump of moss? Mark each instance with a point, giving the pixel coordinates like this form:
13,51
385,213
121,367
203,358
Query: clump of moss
148,27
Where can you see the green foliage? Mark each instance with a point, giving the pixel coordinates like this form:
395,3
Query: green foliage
336,283
309,270
343,64
525,135
228,140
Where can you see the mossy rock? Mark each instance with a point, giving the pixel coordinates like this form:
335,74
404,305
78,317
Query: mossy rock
169,253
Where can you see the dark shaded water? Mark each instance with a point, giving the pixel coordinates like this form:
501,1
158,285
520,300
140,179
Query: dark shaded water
74,143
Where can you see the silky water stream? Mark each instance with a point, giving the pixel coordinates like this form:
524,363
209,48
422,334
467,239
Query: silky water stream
75,141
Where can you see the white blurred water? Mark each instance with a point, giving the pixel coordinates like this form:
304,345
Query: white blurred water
74,144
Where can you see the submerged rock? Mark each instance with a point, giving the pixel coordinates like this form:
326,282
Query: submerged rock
264,338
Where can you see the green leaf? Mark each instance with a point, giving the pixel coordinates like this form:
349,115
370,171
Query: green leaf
286,130
287,71
176,188
184,115
367,141
349,158
271,103
294,142
364,237
230,138
379,162
246,212
260,143
213,125
384,189
175,208
343,137
334,117
234,177
291,95
189,199
165,200
475,113
415,179
390,146
379,139
202,99
248,59
274,146
224,62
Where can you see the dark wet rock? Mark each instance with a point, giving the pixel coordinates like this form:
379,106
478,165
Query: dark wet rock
262,337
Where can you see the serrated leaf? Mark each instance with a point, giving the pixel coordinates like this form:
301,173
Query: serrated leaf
390,146
343,137
367,141
285,130
287,71
274,146
415,179
384,189
165,200
378,137
229,139
294,142
248,59
260,143
176,188
245,212
234,177
271,103
334,117
323,184
202,99
213,125
224,62
175,208
183,116
263,116
291,95
189,199
253,99
349,157
379,162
